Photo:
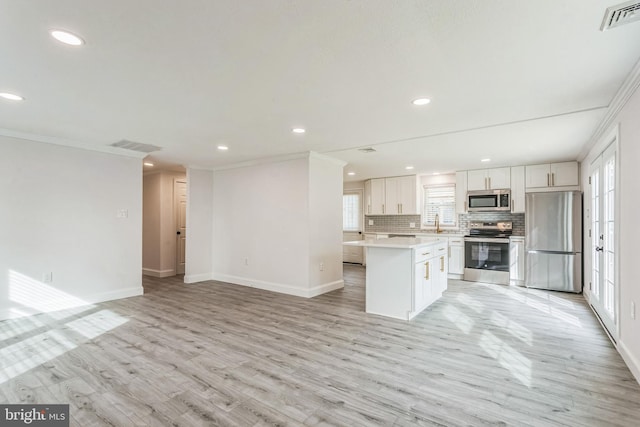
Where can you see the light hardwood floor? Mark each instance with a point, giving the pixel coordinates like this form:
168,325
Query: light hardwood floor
219,354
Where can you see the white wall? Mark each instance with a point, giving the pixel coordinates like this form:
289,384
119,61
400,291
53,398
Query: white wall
629,231
159,223
198,257
325,224
58,212
263,233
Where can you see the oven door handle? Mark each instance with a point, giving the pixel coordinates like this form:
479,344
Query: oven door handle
486,240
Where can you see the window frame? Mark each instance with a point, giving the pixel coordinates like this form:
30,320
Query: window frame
431,226
358,193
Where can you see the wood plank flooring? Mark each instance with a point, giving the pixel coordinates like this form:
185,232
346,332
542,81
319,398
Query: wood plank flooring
220,354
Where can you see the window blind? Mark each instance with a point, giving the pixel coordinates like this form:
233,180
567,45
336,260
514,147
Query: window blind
441,200
351,212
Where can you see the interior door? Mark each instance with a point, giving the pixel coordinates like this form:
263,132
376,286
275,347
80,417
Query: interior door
603,233
180,201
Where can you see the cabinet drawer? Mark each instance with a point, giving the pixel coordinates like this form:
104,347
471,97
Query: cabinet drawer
423,254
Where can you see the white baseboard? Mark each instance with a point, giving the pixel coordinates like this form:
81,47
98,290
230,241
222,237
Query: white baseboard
630,360
158,273
71,302
279,287
324,288
195,278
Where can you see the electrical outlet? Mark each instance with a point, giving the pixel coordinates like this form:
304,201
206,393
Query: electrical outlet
633,310
47,277
322,266
370,222
412,225
122,213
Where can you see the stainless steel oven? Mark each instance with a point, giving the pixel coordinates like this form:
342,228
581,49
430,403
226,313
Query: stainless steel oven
487,252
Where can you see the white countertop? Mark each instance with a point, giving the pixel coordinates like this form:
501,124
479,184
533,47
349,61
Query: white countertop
395,242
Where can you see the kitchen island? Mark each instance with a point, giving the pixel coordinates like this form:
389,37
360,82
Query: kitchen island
404,275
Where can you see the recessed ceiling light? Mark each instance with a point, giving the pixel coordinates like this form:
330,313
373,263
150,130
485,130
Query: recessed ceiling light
11,96
223,147
351,173
298,130
485,160
408,168
148,164
421,101
436,173
66,37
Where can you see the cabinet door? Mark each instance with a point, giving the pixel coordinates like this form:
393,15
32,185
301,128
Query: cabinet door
537,176
516,259
564,174
456,258
406,189
367,197
517,189
377,196
477,180
461,192
391,196
423,279
499,179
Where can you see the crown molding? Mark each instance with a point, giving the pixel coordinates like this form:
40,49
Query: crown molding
628,88
70,143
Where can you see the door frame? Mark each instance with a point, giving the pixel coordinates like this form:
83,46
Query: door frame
610,141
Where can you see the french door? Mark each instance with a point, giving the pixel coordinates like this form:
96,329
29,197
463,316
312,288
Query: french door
603,233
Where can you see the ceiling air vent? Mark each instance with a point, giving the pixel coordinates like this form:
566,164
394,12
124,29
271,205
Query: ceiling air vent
135,146
367,150
621,14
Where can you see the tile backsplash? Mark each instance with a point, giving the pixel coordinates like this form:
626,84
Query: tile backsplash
400,223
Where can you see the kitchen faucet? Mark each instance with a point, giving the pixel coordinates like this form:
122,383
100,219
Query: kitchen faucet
437,221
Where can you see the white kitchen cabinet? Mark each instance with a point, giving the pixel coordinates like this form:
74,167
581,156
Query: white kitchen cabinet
377,196
489,179
391,196
517,189
400,195
456,257
430,274
461,192
553,176
516,260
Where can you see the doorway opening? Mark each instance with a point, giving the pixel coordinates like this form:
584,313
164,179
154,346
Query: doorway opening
164,201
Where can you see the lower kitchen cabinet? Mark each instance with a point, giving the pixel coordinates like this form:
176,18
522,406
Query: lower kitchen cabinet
430,275
516,261
456,257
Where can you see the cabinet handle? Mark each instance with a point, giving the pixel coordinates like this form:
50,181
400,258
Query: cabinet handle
465,206
485,183
426,253
449,252
426,270
383,208
489,188
553,179
455,241
441,263
548,181
441,249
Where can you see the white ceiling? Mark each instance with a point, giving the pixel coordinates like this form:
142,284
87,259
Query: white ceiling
517,81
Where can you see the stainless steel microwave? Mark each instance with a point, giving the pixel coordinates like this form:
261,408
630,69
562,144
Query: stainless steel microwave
489,201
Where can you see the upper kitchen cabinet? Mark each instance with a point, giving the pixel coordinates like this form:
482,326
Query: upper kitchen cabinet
374,190
517,189
488,179
550,177
461,192
391,196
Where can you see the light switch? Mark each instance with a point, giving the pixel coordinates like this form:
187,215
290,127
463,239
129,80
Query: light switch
412,225
370,222
122,213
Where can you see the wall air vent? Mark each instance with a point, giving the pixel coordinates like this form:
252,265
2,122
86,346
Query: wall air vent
621,14
367,150
135,146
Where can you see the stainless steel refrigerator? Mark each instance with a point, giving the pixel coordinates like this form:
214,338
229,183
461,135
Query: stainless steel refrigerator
553,241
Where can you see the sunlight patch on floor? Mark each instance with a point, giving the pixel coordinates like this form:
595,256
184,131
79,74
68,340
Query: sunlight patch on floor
458,318
509,358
